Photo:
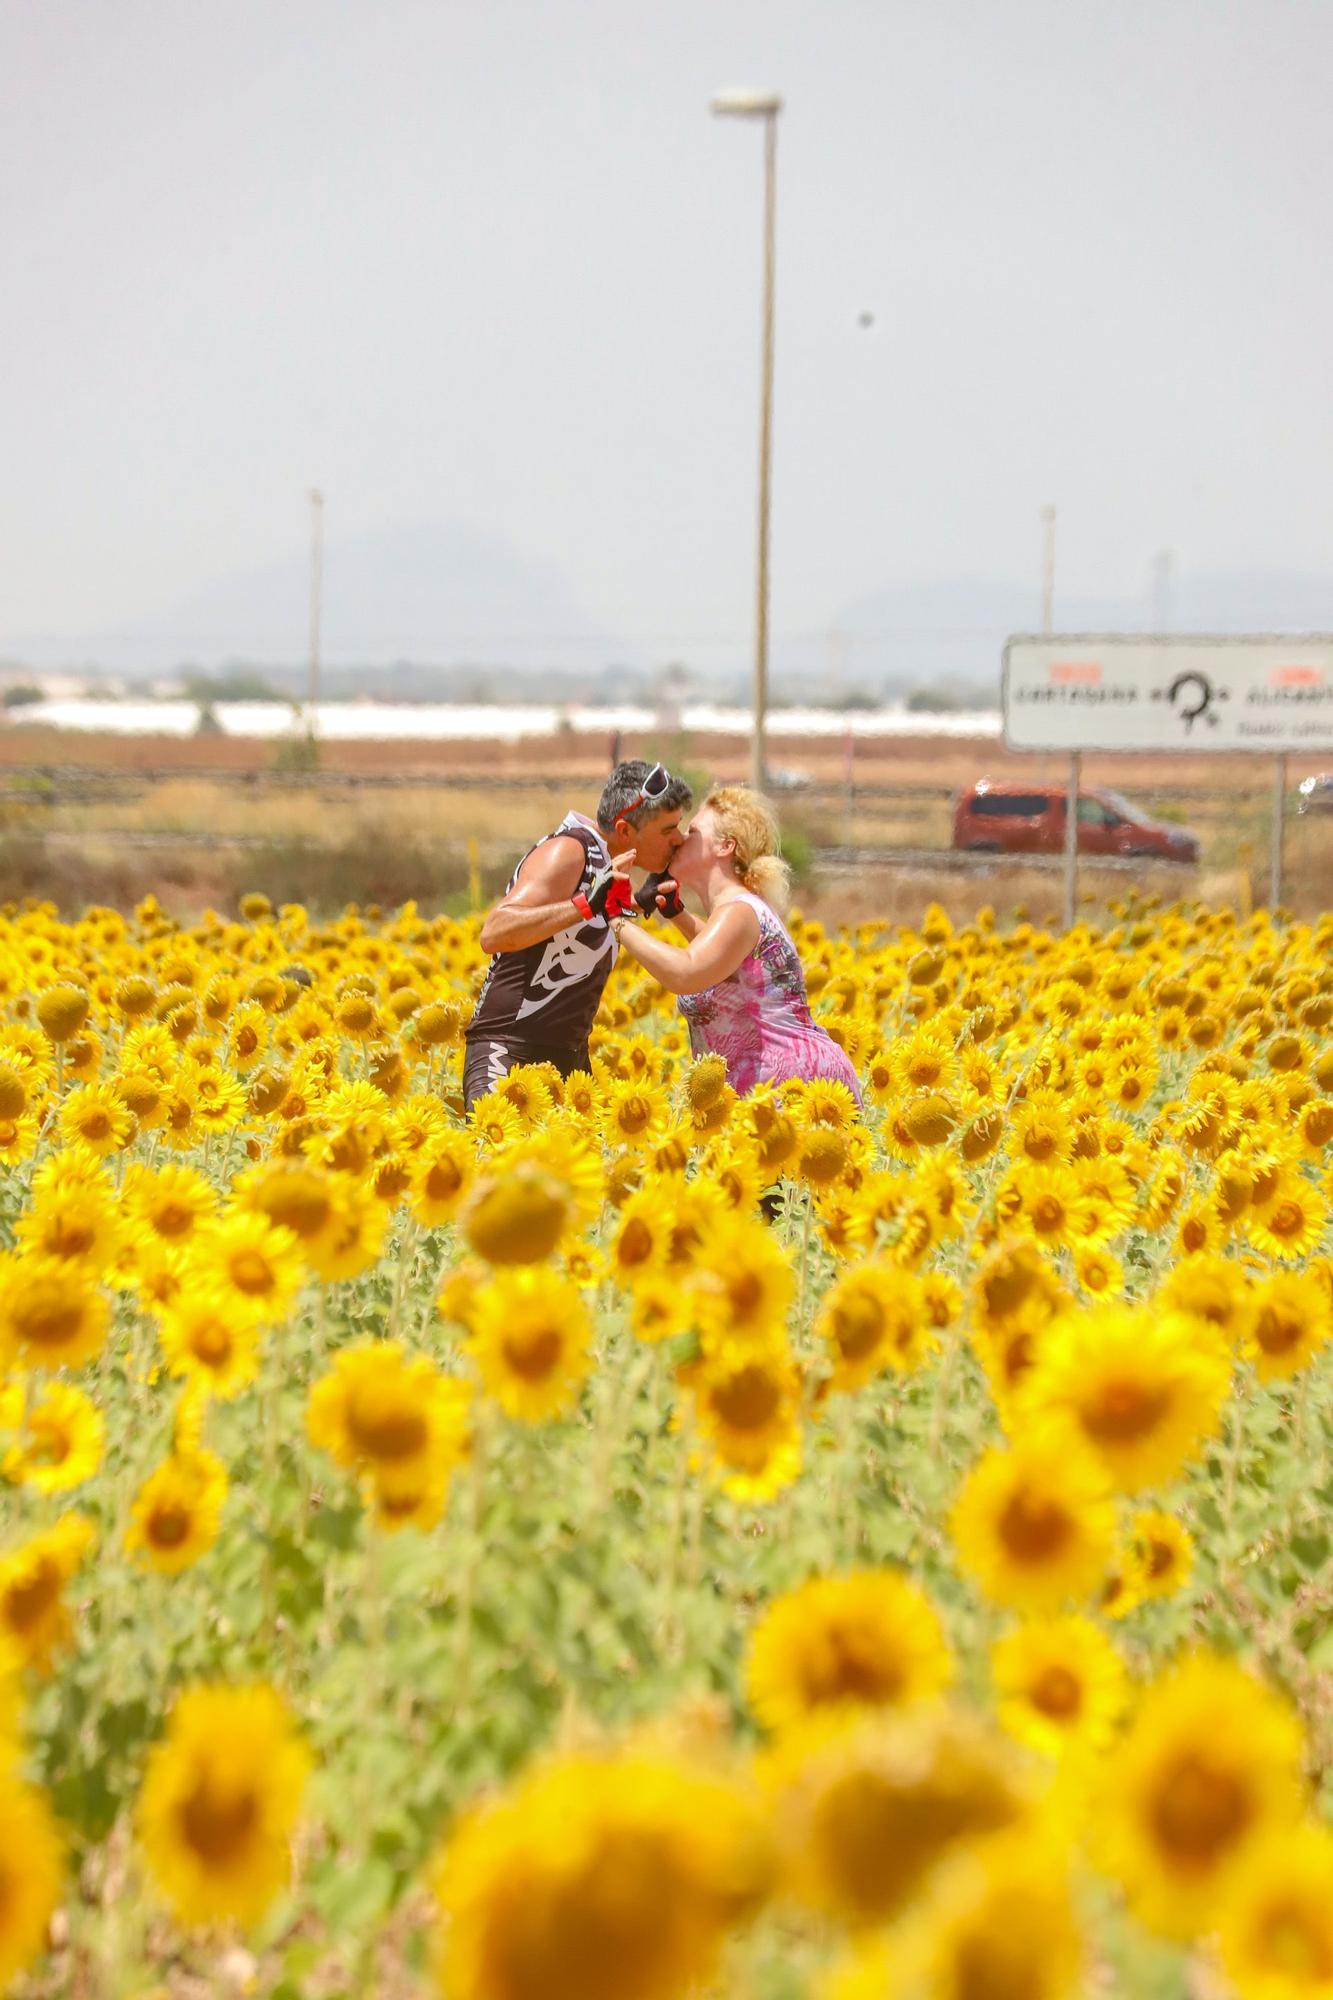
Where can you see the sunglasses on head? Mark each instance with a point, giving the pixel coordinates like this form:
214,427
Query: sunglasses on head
654,787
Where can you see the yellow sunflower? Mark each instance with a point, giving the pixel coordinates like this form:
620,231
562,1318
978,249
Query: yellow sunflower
220,1797
517,1213
1161,1554
598,1875
1099,1274
394,1416
1277,1922
1207,1772
641,1236
177,1511
251,1258
866,1808
1292,1322
761,1474
1048,1203
743,1286
635,1112
31,1871
95,1116
33,1612
874,1317
869,1639
353,1233
1015,1286
1291,1222
73,1220
1059,1684
59,1439
1214,1291
1138,1384
748,1412
659,1309
1034,1525
51,1314
209,1340
690,1210
998,1922
443,1163
219,1100
531,1340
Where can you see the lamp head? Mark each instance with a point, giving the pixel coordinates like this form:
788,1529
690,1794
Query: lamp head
742,103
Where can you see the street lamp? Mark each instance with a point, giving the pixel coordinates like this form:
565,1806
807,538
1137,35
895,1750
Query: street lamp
316,594
764,104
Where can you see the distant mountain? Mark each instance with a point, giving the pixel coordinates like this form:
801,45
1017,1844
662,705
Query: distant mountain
952,632
444,596
450,613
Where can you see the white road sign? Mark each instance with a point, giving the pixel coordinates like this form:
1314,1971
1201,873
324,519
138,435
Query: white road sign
1178,692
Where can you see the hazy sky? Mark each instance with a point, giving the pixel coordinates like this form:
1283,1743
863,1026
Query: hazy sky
493,262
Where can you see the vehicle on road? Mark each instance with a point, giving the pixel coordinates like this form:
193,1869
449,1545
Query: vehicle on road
1315,794
995,818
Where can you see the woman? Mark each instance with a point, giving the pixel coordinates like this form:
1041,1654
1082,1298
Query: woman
739,978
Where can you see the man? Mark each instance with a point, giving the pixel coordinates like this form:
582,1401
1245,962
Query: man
552,944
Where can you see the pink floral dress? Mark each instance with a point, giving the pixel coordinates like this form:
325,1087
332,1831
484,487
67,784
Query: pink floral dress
759,1019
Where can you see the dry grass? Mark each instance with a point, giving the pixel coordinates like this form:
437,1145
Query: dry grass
429,813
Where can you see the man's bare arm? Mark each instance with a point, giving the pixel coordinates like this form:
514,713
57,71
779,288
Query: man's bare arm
540,902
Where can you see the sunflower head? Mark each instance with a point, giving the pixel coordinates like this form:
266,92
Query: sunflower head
517,1213
220,1796
1208,1770
530,1338
1034,1524
1059,1684
866,1808
869,1639
178,1510
62,1011
32,1865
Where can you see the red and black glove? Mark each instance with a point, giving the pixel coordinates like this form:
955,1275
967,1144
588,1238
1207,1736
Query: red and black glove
607,895
659,892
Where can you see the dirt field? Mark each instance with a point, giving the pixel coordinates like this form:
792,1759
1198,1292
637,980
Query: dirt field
906,760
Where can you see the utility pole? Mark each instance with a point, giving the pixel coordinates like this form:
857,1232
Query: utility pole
1074,777
1047,569
316,595
1163,575
763,105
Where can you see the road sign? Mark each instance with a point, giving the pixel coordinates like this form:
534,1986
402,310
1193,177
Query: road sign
1178,692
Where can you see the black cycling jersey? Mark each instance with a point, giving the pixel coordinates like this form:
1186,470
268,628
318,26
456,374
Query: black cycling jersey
548,994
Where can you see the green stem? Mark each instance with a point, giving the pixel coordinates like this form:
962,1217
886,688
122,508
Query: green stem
1231,1476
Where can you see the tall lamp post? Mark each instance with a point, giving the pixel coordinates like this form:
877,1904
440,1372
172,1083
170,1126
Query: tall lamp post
764,104
316,594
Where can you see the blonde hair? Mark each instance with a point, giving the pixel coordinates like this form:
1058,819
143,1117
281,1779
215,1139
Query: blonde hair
747,818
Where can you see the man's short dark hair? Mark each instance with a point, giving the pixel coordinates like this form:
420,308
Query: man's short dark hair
624,786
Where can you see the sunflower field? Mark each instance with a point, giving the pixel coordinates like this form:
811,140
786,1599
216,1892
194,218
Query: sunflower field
636,1542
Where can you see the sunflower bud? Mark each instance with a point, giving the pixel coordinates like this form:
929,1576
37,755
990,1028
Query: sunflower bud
438,1023
136,996
62,1011
705,1082
518,1216
268,1090
13,1093
929,1118
822,1156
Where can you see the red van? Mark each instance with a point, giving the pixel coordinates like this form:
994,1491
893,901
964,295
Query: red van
1030,819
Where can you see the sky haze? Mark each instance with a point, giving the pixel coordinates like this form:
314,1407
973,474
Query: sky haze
497,266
